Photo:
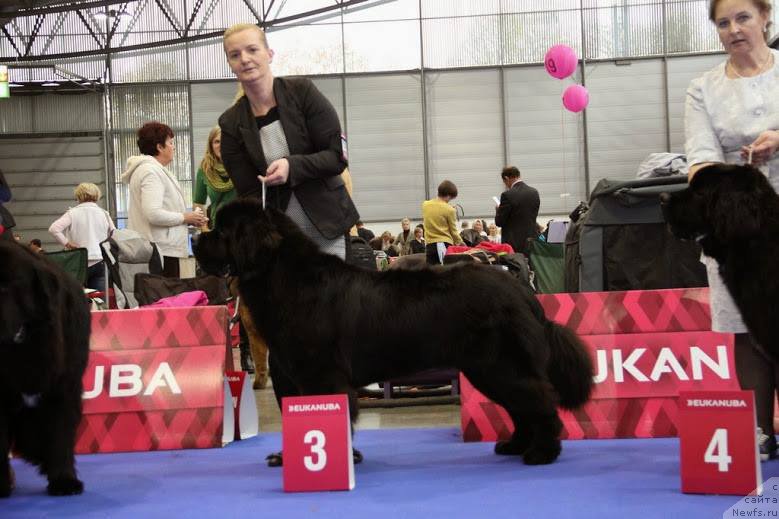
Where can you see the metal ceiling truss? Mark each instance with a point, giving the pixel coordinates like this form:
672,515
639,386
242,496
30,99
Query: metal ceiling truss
69,81
108,41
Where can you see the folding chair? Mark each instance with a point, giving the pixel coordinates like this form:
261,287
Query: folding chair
547,261
73,261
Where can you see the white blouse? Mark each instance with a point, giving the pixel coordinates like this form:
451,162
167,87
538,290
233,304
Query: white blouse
722,115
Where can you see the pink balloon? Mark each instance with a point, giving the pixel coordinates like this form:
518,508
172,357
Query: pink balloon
560,61
576,98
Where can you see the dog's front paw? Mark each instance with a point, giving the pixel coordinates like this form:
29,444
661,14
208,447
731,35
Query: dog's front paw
65,487
509,448
515,446
7,484
542,455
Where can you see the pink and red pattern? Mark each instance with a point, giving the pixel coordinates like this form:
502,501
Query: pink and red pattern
666,331
155,380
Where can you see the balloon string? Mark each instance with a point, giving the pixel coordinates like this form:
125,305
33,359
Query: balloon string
562,127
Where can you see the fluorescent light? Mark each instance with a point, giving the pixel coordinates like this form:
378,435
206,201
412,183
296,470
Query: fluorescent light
15,85
111,13
50,84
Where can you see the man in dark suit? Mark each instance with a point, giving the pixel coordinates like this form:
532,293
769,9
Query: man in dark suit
516,215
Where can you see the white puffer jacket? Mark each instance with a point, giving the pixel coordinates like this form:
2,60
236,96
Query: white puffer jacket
156,205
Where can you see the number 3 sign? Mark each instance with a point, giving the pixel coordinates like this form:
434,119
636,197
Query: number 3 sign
717,435
317,443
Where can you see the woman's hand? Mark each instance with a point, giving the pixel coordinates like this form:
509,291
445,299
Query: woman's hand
196,218
71,245
763,148
277,173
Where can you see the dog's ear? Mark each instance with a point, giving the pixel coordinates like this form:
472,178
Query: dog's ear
736,205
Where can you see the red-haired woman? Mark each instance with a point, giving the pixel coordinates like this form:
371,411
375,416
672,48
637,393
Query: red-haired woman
157,209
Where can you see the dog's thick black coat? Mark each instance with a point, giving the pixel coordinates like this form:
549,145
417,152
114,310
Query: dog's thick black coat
734,213
44,348
333,327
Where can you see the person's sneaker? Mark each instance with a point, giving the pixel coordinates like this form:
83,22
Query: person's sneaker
766,445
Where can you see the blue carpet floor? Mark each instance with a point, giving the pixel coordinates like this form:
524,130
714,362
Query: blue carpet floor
427,473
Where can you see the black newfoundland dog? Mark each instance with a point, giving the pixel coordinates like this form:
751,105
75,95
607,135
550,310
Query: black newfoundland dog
733,212
332,327
44,346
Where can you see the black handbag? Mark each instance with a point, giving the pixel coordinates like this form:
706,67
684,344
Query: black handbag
150,288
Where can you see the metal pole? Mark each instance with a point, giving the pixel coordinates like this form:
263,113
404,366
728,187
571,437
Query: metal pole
192,160
423,87
501,77
584,112
666,93
111,202
343,79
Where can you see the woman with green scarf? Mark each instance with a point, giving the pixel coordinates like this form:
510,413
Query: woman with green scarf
212,181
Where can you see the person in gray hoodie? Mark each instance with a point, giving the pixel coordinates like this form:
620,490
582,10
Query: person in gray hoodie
157,209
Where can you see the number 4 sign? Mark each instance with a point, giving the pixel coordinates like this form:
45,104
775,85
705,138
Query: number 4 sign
718,442
317,443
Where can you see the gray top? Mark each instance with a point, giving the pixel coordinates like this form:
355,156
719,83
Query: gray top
274,147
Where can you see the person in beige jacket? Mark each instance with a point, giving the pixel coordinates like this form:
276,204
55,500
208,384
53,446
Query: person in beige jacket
157,209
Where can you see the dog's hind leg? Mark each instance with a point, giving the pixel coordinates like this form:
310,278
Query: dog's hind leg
531,404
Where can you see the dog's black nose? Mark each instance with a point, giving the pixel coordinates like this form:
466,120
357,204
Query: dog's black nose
665,197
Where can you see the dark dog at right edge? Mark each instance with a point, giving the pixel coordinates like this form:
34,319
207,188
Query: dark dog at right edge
733,212
333,327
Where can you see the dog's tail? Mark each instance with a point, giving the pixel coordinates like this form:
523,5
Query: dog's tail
570,366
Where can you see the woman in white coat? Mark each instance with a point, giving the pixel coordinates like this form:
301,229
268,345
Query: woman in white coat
86,225
157,209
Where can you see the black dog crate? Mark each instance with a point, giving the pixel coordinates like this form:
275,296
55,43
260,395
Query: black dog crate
623,243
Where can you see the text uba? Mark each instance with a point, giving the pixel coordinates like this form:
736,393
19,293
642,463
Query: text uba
126,380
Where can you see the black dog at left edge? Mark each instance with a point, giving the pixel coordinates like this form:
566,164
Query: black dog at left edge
733,212
44,348
333,327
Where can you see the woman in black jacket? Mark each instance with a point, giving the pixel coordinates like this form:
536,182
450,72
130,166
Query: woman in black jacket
284,133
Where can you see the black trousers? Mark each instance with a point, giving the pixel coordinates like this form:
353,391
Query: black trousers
170,267
96,277
757,372
431,253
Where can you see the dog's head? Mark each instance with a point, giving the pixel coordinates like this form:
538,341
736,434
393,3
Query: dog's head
723,201
242,241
